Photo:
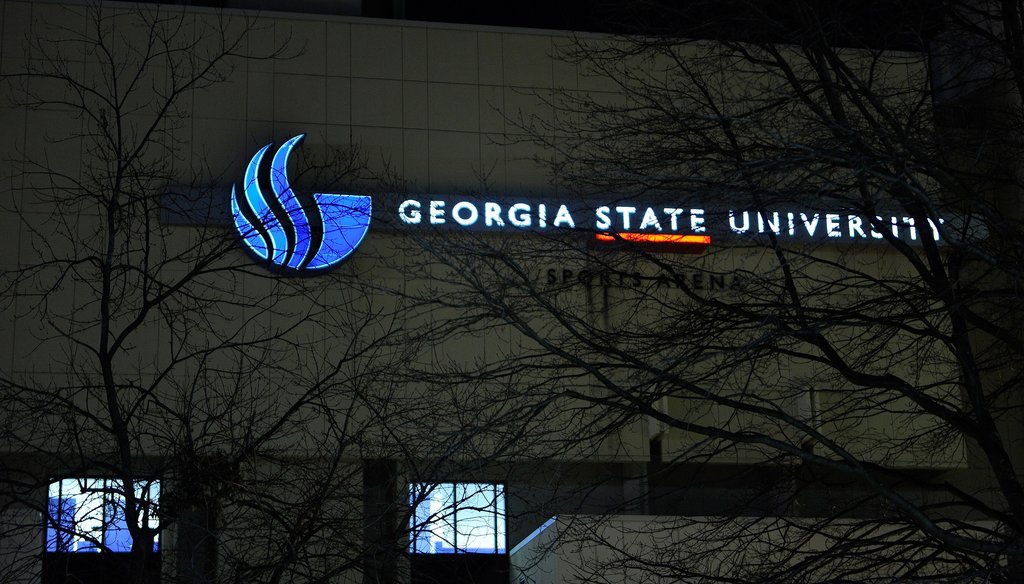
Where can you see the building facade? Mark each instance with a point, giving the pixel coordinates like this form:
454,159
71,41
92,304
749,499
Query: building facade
305,297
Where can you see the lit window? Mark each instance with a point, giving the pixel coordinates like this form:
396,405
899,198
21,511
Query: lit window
451,518
87,515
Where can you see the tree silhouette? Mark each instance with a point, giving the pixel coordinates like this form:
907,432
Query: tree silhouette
849,410
152,352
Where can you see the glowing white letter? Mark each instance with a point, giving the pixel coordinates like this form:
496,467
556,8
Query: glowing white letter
409,212
773,223
913,230
625,212
673,213
436,212
650,219
810,225
697,220
492,215
470,219
832,224
519,215
736,228
854,224
563,216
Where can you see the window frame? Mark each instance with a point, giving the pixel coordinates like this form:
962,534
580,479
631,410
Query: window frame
104,505
423,525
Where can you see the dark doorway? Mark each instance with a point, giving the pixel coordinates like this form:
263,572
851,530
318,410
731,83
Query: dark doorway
95,568
459,569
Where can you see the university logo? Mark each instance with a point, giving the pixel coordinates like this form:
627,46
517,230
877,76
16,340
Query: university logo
297,232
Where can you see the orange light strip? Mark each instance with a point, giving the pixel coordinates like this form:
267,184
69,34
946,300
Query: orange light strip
656,238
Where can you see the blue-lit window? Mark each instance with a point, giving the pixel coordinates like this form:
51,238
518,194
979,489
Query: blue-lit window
87,515
450,518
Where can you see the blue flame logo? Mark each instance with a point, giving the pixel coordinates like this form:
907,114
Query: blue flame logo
291,231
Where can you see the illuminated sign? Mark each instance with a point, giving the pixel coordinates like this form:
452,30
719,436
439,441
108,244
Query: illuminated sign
295,231
666,227
307,233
